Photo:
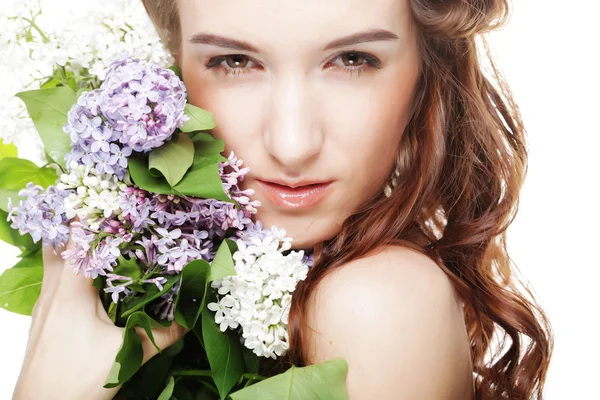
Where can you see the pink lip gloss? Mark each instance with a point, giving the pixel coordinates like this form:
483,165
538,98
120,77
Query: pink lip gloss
296,198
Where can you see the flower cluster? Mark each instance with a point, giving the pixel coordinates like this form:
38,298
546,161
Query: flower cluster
137,108
92,195
257,299
41,214
35,38
91,256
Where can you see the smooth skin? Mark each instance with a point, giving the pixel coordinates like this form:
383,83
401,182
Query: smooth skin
394,316
293,108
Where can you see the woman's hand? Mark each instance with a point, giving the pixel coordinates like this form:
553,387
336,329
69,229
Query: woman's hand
72,341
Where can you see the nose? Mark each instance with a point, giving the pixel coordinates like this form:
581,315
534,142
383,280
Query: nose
292,135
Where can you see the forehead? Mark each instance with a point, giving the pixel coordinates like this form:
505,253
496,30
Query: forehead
269,24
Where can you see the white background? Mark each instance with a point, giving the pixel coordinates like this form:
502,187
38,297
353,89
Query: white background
548,53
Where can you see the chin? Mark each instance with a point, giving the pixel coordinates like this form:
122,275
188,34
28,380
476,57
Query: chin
305,231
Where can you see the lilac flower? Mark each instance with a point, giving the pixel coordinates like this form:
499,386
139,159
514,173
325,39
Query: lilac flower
137,108
176,257
118,157
159,282
80,256
106,253
41,214
121,288
145,101
166,304
232,176
101,140
148,255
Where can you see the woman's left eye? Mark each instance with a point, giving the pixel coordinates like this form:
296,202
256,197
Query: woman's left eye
351,62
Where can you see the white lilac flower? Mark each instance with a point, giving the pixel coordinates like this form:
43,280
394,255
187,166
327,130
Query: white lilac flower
92,196
257,299
97,33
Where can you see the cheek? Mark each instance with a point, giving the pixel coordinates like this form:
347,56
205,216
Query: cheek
367,125
235,107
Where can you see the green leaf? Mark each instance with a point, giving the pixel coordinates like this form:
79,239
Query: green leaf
6,194
133,304
224,352
200,120
326,380
207,150
204,182
7,150
138,170
168,391
72,83
223,265
149,381
12,236
192,293
251,361
198,333
48,108
127,267
16,173
20,285
172,159
130,356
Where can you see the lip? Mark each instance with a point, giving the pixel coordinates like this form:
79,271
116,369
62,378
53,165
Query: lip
302,195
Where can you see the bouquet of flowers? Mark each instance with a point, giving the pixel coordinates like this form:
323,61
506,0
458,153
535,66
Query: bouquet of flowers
157,218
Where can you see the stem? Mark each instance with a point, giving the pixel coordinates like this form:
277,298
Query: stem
192,372
37,28
208,372
256,377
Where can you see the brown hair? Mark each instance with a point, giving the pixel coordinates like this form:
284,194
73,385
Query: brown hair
463,160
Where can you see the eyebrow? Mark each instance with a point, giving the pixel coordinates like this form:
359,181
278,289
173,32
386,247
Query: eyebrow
372,35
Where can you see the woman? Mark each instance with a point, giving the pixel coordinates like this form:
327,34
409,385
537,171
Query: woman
375,140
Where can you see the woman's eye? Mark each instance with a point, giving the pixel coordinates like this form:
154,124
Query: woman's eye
357,62
351,62
233,63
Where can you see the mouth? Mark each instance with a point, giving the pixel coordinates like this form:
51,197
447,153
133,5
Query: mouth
295,196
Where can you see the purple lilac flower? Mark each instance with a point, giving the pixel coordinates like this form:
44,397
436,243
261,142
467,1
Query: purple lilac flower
176,257
41,214
166,304
145,101
106,253
79,257
118,289
232,176
137,108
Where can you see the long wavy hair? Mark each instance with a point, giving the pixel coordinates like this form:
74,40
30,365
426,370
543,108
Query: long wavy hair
462,161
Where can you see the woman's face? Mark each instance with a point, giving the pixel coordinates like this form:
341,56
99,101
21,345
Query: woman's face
305,92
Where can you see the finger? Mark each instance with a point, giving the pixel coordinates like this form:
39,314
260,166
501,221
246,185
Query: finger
52,264
163,337
73,284
52,267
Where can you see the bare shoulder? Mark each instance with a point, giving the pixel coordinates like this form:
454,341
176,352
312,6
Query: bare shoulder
396,319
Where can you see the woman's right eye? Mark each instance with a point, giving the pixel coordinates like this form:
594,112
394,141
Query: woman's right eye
234,63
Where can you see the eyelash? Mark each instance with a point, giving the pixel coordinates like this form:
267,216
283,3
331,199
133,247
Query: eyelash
369,62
